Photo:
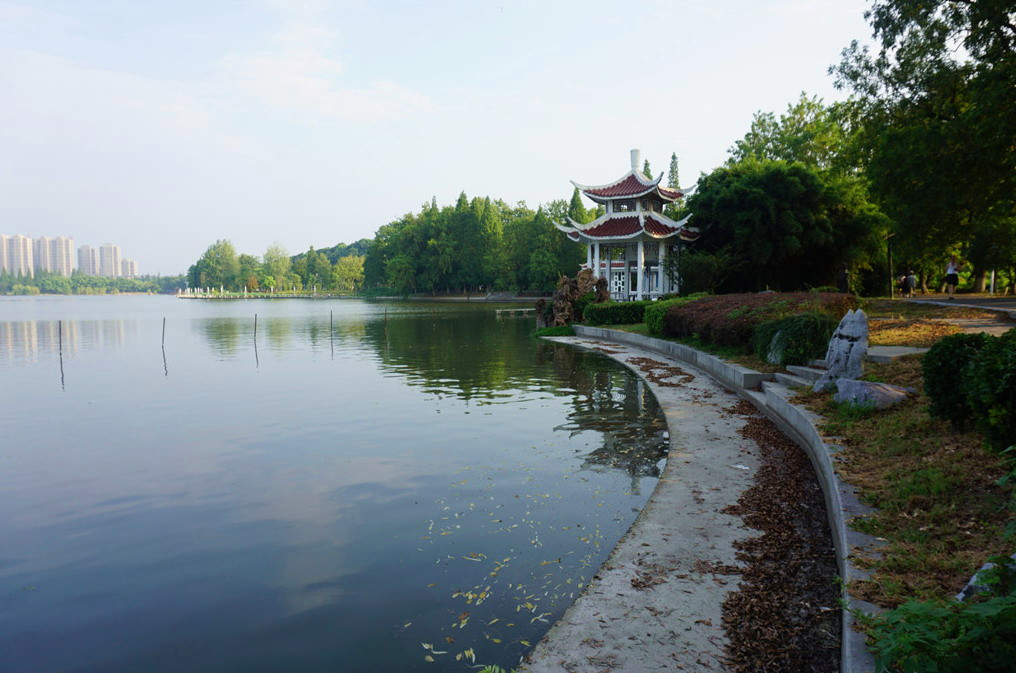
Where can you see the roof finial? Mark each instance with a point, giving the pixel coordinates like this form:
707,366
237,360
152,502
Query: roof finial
636,159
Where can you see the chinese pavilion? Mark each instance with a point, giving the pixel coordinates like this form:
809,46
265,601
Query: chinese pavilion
628,245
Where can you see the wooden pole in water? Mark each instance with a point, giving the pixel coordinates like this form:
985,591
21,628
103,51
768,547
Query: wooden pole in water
163,330
59,333
255,327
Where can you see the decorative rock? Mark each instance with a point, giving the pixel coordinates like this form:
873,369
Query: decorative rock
776,347
868,394
847,347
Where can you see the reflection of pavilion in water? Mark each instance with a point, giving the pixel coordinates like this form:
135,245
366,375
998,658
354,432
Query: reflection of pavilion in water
26,340
620,408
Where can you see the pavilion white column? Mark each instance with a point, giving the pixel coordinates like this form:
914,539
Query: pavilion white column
589,258
642,271
596,260
662,272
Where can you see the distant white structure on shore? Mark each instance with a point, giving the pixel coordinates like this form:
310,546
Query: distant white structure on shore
16,255
88,260
22,256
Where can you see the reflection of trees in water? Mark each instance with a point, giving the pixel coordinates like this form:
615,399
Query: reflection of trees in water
25,339
229,335
615,403
469,355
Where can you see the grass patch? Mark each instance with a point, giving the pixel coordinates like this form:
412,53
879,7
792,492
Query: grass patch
940,509
899,309
918,332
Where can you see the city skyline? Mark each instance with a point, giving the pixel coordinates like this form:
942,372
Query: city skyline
22,255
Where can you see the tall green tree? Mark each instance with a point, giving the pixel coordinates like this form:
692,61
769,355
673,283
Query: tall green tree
809,132
784,226
219,266
938,137
646,170
276,267
674,210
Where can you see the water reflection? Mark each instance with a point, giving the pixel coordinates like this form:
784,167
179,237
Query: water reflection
24,341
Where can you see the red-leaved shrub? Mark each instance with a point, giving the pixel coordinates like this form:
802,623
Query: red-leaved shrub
730,319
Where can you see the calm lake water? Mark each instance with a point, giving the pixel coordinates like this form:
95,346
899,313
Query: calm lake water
356,494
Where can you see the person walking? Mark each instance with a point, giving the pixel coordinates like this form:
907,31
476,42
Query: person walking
910,284
952,276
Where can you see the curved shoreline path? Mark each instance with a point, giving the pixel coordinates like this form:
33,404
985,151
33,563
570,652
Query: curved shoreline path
656,602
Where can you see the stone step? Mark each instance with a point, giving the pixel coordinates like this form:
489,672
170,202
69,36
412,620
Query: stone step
776,388
819,363
807,373
760,398
792,381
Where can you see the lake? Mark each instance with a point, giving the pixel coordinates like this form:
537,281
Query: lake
357,486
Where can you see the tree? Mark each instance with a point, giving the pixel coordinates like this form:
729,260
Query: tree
785,226
219,266
938,136
250,267
347,274
276,266
646,170
674,210
809,132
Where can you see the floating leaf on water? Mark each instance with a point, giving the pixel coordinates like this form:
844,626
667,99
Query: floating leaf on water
429,658
494,621
407,625
434,584
470,654
450,640
525,642
427,646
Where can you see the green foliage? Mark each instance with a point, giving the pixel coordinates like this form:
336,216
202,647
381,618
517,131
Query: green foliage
653,314
976,637
937,131
478,242
24,289
563,330
77,283
647,169
701,272
943,367
803,337
616,312
809,132
581,303
784,226
989,389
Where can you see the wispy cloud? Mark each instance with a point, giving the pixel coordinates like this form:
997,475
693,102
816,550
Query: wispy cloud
301,73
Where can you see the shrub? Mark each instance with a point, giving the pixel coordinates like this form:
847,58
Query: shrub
654,313
731,319
943,368
801,337
581,303
615,312
918,636
989,389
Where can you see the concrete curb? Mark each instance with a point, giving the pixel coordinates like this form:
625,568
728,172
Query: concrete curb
799,424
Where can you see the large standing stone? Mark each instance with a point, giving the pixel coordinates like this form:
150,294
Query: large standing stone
845,356
869,394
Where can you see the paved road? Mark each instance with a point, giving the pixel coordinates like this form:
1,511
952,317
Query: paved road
996,303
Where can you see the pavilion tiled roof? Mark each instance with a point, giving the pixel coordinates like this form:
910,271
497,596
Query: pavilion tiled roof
657,227
629,186
615,226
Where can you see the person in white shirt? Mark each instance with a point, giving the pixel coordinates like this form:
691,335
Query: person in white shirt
952,276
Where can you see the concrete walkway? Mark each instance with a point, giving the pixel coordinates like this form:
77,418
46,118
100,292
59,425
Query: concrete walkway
655,605
1004,305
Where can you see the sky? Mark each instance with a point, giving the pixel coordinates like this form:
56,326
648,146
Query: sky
164,126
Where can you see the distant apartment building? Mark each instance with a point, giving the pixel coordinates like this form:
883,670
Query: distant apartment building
16,255
128,268
88,260
54,255
109,260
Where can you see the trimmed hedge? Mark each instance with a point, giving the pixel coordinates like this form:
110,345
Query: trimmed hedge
802,337
654,313
943,368
615,312
730,319
972,377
